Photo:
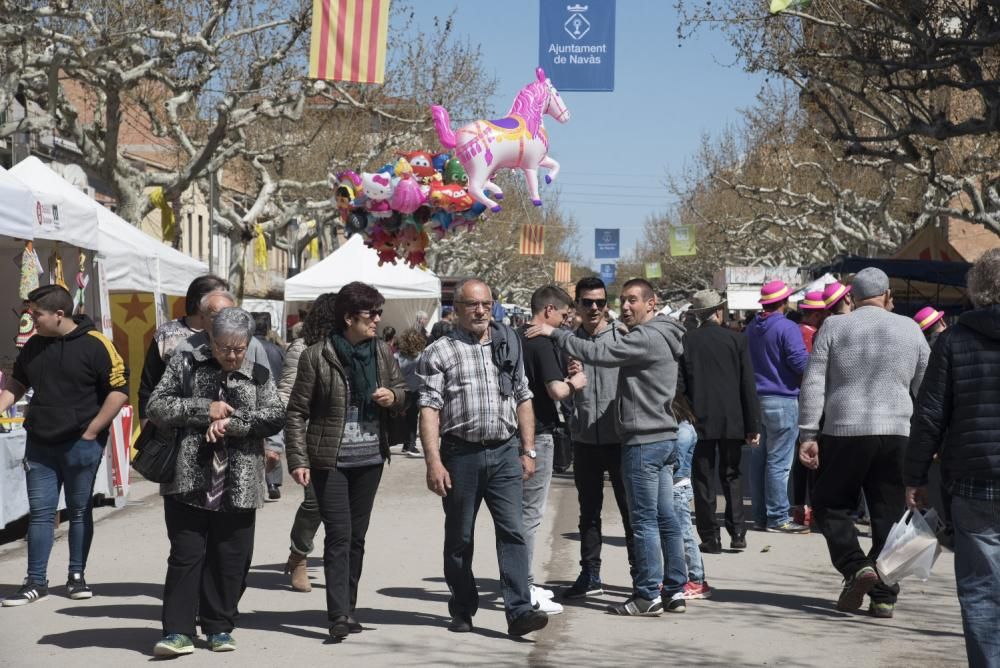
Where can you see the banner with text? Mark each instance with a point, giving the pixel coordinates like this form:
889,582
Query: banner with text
576,44
682,241
608,273
606,244
653,270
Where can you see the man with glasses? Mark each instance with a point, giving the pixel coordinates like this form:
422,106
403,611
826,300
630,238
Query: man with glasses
647,358
596,446
549,384
474,399
865,369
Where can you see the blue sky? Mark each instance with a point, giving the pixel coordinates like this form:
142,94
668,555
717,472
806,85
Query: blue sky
618,148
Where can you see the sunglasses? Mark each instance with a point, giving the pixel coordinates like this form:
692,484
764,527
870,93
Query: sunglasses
371,313
588,303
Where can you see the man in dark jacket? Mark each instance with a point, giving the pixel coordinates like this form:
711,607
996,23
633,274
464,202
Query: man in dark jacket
957,418
719,382
80,383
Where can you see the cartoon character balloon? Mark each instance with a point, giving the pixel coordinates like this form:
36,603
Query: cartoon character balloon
378,190
517,141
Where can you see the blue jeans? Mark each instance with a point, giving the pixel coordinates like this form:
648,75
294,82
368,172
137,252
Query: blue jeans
493,475
771,461
648,473
692,555
977,576
536,493
72,466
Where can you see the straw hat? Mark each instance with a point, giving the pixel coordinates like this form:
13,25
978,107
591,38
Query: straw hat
927,316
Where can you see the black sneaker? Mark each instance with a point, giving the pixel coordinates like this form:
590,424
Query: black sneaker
711,547
273,492
340,629
675,603
28,593
353,625
460,624
738,543
533,620
636,606
76,587
587,584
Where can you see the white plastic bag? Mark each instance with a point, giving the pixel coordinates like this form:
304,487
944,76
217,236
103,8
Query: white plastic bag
911,548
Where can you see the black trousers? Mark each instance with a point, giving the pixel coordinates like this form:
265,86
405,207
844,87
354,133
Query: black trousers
346,498
412,417
729,453
849,465
210,555
590,462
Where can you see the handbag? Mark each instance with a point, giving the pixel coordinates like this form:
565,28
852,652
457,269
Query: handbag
156,453
562,454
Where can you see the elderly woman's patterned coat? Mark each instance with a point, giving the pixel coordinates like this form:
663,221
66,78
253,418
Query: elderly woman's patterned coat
259,413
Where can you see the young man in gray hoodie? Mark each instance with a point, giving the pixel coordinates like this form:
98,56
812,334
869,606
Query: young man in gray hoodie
597,447
647,359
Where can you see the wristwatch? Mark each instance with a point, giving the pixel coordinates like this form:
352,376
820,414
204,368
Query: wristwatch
530,454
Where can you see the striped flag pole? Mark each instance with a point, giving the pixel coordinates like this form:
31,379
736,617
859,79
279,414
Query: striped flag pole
532,239
348,40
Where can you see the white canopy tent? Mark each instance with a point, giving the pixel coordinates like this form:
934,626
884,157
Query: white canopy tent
133,260
63,217
406,290
17,208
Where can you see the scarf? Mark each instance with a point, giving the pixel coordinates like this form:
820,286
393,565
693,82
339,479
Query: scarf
361,368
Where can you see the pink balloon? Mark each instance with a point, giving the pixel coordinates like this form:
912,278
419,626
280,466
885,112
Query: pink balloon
407,197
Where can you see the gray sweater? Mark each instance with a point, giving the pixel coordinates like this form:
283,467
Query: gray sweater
647,362
863,373
593,419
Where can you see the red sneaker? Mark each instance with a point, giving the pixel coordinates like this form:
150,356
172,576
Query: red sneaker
693,590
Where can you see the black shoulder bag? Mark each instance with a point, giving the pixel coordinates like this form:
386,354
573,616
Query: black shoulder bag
156,453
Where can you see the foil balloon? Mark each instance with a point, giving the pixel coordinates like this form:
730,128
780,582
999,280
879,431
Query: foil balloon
451,197
356,222
421,162
439,161
384,243
378,191
453,172
407,196
516,141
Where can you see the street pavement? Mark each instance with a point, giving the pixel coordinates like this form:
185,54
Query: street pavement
773,604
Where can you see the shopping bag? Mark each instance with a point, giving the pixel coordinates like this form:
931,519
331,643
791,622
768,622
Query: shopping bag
911,548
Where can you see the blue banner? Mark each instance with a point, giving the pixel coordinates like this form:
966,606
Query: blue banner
608,273
576,44
606,244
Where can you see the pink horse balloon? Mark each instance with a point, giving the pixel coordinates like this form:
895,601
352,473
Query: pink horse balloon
517,141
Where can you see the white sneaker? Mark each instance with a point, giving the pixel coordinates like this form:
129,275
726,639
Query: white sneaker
544,604
541,592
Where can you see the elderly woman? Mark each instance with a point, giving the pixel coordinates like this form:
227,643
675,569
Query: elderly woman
223,407
344,390
957,419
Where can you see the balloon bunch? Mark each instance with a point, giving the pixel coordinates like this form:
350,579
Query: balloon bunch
399,207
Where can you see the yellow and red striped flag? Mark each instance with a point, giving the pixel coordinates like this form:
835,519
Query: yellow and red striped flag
563,274
532,239
348,40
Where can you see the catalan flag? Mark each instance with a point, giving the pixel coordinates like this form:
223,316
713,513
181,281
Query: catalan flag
348,40
563,273
532,239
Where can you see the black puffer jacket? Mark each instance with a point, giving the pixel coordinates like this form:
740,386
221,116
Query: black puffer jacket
958,408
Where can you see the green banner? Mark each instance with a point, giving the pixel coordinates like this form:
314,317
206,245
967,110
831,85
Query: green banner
654,270
682,241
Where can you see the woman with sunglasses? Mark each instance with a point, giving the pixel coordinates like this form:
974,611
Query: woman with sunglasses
337,438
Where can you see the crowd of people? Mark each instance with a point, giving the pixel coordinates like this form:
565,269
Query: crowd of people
843,409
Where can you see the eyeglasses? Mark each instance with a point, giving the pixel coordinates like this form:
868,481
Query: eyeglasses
590,303
227,350
472,306
371,313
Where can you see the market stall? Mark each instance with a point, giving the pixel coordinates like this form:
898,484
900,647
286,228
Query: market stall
406,290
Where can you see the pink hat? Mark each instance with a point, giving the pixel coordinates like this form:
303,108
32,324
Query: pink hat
813,301
927,316
834,292
775,291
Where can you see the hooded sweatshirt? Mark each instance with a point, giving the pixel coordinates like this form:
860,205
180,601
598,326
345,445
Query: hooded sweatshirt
71,377
593,419
647,360
778,354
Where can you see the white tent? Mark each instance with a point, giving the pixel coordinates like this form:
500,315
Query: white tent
406,290
62,217
133,260
17,208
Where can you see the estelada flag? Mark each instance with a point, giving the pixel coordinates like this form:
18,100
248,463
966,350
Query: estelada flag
348,40
532,239
563,272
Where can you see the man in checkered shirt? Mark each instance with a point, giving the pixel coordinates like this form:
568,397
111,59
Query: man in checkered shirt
474,402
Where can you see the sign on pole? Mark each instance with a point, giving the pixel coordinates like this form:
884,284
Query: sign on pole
576,44
608,273
682,241
606,245
654,270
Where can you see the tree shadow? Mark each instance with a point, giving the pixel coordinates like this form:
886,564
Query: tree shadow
810,604
132,639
